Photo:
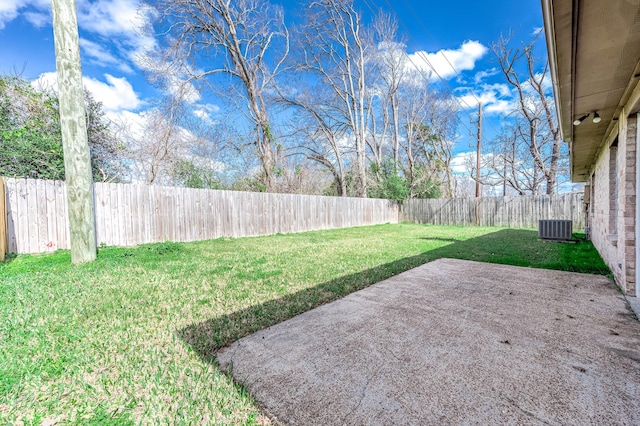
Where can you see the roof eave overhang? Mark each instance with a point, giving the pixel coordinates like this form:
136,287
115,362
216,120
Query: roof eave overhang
547,14
594,59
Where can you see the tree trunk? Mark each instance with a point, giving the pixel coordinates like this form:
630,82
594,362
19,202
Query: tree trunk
396,130
553,167
73,124
266,156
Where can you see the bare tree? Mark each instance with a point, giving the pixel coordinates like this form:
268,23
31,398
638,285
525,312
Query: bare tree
322,137
153,143
335,50
442,113
169,145
242,35
106,150
510,164
430,120
536,126
391,64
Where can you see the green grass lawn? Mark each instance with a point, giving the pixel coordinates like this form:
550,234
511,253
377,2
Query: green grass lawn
132,337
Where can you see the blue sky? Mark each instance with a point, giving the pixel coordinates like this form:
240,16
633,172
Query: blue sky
111,46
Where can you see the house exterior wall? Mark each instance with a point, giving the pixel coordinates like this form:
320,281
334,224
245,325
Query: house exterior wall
612,209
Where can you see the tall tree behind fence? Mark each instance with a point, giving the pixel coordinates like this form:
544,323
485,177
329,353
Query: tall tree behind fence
513,212
128,214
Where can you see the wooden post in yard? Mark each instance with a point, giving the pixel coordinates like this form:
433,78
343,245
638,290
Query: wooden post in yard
4,234
478,165
73,123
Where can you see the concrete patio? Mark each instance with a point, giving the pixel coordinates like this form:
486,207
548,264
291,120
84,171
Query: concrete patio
452,342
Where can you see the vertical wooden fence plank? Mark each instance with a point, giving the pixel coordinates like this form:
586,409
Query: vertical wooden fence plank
62,216
156,206
148,215
113,239
130,215
197,216
12,202
22,217
4,234
135,205
98,211
52,206
171,213
103,203
188,210
215,213
32,217
204,216
143,213
193,214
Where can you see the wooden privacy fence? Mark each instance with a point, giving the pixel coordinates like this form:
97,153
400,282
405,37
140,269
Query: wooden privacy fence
3,221
126,214
130,214
512,212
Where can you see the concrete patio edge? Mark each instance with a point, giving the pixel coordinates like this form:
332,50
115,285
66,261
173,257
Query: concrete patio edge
453,342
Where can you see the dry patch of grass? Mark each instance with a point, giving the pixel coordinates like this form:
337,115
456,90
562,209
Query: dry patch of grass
132,337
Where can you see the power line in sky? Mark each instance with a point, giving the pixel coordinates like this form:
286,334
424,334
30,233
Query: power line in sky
424,57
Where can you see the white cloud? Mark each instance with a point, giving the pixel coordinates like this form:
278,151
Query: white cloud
448,62
122,19
547,86
135,123
495,98
202,114
499,107
536,31
461,160
115,94
502,89
489,101
174,76
46,81
98,55
109,17
10,9
481,75
184,90
104,17
38,19
205,111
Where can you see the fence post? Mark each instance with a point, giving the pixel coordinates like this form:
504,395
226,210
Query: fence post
4,237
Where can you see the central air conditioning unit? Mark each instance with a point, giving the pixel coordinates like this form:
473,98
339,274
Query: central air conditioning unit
555,229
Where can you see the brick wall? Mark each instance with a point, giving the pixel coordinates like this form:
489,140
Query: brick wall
613,232
627,216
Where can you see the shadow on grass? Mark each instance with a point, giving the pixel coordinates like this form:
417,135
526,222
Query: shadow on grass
450,240
8,258
512,247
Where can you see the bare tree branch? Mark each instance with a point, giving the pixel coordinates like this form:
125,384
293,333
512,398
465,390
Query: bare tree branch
240,34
